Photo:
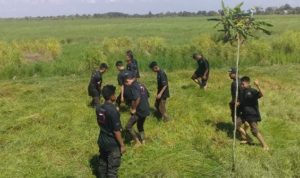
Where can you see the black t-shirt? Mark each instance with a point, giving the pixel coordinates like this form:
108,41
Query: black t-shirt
121,77
249,103
109,121
162,80
133,67
203,65
96,80
233,88
138,90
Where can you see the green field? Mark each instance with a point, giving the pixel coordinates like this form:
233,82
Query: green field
76,46
47,130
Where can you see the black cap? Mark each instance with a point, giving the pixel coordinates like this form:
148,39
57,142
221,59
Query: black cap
152,64
232,70
119,63
129,75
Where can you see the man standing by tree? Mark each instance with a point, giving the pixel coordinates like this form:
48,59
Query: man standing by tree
250,109
243,130
162,90
110,141
94,88
202,73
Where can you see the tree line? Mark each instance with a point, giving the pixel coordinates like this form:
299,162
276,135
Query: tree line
282,10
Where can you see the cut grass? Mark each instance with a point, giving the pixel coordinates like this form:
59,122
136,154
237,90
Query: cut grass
48,131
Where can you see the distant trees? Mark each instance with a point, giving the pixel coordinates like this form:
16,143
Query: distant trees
282,10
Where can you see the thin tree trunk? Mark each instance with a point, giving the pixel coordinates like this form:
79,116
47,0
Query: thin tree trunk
235,105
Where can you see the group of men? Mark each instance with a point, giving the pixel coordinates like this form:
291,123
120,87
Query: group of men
136,96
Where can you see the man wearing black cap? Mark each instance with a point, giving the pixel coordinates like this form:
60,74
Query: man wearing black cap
139,108
132,64
162,90
243,130
111,145
94,88
202,73
121,81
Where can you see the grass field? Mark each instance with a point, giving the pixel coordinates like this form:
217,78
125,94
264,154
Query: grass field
80,44
47,130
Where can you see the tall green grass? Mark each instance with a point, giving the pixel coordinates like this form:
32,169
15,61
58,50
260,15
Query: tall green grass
68,47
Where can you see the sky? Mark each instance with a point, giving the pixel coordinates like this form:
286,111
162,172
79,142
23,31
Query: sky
22,8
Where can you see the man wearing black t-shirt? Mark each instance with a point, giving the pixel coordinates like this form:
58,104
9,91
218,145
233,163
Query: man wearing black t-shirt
123,97
201,75
94,88
132,64
239,121
139,108
111,145
250,109
162,90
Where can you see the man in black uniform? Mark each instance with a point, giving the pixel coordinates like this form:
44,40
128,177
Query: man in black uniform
139,108
94,88
243,130
111,145
132,64
250,109
121,81
162,90
202,73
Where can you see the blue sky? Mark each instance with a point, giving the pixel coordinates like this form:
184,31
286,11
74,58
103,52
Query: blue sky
21,8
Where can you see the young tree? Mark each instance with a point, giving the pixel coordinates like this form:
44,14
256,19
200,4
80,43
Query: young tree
238,26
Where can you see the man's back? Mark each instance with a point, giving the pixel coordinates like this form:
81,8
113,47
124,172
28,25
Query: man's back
109,121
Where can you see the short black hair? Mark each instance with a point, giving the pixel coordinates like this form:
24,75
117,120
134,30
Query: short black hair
119,63
196,54
153,64
108,91
245,79
129,53
103,66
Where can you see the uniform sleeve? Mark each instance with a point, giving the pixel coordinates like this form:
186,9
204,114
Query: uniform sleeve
135,93
164,79
256,94
206,64
116,122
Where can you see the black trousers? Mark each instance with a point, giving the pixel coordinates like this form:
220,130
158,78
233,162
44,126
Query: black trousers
140,125
109,163
238,111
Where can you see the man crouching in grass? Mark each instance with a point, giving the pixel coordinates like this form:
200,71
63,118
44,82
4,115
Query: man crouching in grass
110,141
202,73
250,109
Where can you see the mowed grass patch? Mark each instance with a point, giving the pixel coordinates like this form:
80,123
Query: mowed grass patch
47,130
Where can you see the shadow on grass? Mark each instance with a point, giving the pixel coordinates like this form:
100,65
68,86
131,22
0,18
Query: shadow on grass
94,165
222,126
156,114
188,86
